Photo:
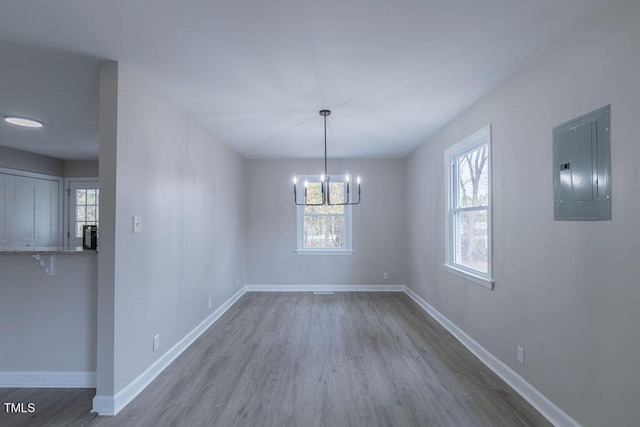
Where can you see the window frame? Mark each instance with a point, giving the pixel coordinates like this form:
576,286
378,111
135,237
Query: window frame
70,223
300,215
451,156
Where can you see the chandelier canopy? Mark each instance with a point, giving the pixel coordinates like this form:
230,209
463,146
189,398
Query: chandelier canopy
325,181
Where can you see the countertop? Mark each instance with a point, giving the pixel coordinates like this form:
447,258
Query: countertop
45,250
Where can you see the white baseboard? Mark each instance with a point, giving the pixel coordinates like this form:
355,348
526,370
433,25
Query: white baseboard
44,379
325,288
546,407
111,405
104,405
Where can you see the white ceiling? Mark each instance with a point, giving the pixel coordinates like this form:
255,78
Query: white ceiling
60,89
256,72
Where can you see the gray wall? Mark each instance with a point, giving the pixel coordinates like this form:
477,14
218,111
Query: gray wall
81,168
567,291
30,162
378,232
37,163
49,321
187,187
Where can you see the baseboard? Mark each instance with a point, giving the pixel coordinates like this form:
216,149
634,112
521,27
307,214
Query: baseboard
325,288
111,405
104,405
543,405
44,379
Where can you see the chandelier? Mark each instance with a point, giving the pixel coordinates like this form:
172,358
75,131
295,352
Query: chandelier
325,180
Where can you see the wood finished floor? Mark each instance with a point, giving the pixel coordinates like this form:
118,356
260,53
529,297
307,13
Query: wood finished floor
298,359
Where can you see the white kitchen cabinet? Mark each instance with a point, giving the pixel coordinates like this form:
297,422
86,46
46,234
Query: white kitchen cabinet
30,211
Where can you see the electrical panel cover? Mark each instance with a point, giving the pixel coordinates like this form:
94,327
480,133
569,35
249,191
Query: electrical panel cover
582,168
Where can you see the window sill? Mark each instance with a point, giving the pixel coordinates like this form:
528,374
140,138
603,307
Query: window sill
485,282
321,252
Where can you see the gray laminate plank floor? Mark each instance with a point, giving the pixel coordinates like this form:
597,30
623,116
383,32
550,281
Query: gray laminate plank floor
299,359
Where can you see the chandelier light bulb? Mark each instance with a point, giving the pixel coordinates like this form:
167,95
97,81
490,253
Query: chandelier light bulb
358,179
306,183
295,180
347,177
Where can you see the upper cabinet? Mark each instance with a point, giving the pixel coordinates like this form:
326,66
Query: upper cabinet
30,210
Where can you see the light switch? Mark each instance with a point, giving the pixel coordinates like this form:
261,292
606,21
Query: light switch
137,224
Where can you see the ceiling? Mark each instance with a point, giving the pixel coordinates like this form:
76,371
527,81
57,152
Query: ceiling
255,73
56,87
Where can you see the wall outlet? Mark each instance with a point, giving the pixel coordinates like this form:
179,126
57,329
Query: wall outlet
521,355
209,302
385,275
156,342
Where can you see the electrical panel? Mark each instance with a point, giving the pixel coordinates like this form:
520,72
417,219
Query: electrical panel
582,168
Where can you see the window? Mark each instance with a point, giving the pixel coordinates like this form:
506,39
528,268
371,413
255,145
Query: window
324,229
468,218
84,203
86,212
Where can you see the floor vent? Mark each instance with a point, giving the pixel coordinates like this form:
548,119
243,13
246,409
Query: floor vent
323,292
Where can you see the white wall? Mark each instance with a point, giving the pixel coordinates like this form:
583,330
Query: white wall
158,163
378,232
49,322
567,291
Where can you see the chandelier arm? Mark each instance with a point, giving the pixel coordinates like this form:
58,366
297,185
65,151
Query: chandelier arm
345,204
295,198
328,192
359,197
347,190
326,172
348,203
309,204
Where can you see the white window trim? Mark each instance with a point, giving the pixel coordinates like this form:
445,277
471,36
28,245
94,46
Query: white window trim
300,249
469,143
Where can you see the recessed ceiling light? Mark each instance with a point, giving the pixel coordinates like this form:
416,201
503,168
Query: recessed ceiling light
23,121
